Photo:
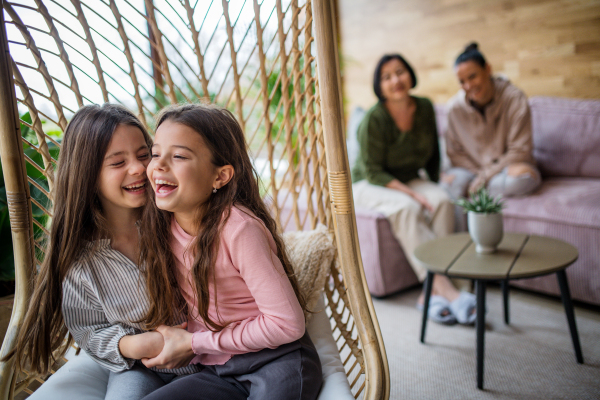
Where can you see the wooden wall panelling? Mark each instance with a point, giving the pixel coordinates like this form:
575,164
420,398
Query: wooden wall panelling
546,47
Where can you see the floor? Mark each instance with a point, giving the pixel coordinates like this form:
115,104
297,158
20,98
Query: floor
443,368
531,358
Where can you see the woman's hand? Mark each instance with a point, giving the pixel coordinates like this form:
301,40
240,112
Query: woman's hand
447,178
477,183
423,201
397,185
177,350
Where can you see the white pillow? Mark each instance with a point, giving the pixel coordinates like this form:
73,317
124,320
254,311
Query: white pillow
335,383
311,254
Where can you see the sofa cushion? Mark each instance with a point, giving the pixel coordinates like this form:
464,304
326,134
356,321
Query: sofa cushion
354,121
566,136
572,201
441,120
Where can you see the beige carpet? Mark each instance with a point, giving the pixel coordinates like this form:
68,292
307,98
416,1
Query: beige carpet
532,358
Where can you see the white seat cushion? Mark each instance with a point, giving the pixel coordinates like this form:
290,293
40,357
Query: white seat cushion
335,383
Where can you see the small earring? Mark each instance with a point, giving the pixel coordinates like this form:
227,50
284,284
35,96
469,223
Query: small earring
214,190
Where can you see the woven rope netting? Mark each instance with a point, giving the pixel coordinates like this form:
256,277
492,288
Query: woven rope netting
254,57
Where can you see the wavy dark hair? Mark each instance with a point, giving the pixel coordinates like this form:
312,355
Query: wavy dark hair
377,75
471,53
77,219
225,139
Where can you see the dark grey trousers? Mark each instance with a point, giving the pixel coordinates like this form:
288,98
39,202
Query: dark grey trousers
291,371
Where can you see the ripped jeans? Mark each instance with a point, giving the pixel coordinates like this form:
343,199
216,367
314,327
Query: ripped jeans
502,184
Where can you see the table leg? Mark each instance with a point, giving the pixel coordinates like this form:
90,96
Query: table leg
480,326
504,285
565,294
428,285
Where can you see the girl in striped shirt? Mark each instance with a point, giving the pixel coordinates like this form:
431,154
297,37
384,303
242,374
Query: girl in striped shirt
89,285
211,248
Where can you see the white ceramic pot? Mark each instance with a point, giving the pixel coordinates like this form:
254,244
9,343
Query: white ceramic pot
486,230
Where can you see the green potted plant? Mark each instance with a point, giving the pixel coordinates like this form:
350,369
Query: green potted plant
484,220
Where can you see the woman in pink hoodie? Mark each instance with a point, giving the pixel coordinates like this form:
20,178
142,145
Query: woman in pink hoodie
489,140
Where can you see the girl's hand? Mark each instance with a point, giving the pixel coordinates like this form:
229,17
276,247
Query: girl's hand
177,350
423,201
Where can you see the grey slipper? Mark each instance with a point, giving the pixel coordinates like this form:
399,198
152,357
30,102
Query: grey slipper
464,308
438,306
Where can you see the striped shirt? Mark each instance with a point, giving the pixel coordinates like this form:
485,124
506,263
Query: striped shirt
103,294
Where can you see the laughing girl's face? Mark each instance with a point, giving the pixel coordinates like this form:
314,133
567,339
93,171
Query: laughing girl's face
122,181
181,171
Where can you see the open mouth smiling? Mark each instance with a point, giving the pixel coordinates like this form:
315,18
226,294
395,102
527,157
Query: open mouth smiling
164,187
136,187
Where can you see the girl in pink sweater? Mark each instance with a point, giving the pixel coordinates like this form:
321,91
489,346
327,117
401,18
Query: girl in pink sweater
211,249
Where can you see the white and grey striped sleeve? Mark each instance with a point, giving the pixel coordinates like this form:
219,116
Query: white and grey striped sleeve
86,320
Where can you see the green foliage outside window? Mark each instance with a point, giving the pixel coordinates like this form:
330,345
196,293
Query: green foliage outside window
7,268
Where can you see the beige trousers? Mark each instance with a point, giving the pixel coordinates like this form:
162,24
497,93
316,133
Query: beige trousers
411,223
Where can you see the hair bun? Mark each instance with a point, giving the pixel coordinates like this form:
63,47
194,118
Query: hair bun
472,46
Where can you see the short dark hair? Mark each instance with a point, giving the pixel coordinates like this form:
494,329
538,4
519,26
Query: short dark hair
377,75
471,53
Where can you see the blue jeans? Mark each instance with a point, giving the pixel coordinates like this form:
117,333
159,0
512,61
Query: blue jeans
501,184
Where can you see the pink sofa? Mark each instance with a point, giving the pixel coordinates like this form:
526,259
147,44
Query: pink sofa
566,136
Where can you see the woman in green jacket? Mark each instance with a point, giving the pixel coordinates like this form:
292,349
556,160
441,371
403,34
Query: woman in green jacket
398,147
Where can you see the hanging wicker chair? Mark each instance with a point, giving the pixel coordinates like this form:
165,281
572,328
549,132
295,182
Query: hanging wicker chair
271,62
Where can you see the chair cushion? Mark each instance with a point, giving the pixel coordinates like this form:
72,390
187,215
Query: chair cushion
335,383
311,254
80,378
83,378
572,201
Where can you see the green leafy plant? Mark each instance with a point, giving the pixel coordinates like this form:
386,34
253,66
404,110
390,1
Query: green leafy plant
481,202
7,271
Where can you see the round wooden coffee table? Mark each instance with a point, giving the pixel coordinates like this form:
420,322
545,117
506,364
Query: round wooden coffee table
518,256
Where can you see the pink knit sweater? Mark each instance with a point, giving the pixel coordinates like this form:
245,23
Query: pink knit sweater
255,298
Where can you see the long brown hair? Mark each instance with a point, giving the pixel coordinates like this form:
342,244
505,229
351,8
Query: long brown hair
77,219
225,140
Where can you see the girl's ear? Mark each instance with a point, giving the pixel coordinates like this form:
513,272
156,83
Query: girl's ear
224,175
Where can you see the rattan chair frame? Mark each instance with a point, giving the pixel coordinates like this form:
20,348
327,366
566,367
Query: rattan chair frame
301,128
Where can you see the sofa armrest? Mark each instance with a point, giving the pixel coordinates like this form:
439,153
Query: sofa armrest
365,213
385,265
